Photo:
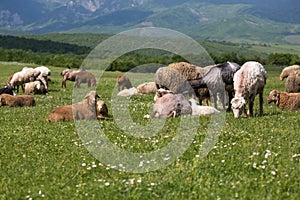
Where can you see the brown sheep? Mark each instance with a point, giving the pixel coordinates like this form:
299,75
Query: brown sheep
292,83
84,110
147,88
123,82
68,74
16,101
287,70
101,110
85,77
285,100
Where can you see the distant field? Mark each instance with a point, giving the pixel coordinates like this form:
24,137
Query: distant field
254,158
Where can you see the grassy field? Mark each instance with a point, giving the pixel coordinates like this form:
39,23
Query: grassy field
254,158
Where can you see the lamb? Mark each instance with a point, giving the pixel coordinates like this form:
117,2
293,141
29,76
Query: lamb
171,105
101,110
202,110
36,87
68,74
147,88
85,77
218,80
285,100
84,110
249,81
24,76
16,101
122,82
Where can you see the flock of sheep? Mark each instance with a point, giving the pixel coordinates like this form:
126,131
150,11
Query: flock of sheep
232,85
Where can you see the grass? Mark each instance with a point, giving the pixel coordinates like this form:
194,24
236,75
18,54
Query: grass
254,158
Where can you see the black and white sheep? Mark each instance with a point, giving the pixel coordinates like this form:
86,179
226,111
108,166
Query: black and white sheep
218,80
285,100
249,81
7,90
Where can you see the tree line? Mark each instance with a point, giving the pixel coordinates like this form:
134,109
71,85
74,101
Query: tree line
69,55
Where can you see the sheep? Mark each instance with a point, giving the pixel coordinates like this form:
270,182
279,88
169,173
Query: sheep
7,90
249,81
24,76
16,101
122,82
36,87
101,110
43,77
171,105
147,88
202,110
285,100
127,92
287,70
161,92
85,77
292,83
68,74
84,110
218,80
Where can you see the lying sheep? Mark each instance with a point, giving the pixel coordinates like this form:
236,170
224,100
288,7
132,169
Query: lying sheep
16,101
68,74
285,100
84,110
35,87
147,88
85,77
122,82
171,105
127,92
101,110
202,110
249,81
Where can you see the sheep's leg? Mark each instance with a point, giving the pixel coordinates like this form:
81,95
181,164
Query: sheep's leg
22,86
261,101
63,84
230,97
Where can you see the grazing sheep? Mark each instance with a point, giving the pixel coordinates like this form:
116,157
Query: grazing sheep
16,101
122,82
218,80
287,70
127,92
147,88
45,72
171,105
85,77
202,110
68,74
84,110
24,76
36,87
7,90
249,81
101,110
285,100
292,83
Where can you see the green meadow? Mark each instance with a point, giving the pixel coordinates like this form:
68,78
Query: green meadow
254,158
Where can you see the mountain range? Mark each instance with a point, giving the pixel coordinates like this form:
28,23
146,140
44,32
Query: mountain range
264,21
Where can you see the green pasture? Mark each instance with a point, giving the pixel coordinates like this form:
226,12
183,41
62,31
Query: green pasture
254,158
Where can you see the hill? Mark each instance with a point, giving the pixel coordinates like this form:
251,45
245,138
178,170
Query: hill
265,21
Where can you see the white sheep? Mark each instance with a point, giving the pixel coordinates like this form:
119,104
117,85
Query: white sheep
202,110
45,72
147,88
249,81
127,92
24,76
287,70
35,87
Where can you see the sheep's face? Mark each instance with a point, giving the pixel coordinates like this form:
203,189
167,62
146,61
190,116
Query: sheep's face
238,106
273,96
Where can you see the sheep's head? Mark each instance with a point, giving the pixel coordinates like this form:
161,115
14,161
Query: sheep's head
273,96
238,105
283,75
90,98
